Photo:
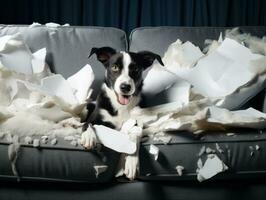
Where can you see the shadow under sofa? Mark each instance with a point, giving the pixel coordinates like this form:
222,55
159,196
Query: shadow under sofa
64,171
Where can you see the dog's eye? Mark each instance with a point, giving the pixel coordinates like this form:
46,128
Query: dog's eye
115,68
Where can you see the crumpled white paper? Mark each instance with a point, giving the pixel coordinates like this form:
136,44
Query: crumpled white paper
212,75
215,75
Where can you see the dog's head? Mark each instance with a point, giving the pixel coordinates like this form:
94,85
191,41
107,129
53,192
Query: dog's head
124,70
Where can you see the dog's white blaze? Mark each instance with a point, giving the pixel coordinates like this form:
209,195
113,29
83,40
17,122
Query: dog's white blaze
124,76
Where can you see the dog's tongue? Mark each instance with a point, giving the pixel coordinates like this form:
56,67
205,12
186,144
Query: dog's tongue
123,100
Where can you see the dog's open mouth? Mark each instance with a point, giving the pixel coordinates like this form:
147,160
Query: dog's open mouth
123,99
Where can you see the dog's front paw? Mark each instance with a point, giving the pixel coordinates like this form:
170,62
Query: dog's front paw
88,138
131,166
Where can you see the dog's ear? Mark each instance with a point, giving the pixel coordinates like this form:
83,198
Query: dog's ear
103,54
147,58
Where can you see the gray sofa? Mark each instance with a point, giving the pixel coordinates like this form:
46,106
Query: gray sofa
66,172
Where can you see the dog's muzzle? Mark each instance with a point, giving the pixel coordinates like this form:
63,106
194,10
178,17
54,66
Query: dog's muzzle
124,97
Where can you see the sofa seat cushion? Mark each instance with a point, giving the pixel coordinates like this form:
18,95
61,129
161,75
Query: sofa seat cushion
59,162
243,151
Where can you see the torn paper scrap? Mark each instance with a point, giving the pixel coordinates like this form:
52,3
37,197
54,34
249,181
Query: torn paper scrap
212,166
28,140
154,150
114,139
15,54
34,24
181,56
162,137
38,61
44,139
36,143
218,148
249,118
100,169
81,82
55,85
179,170
52,25
54,141
157,80
230,134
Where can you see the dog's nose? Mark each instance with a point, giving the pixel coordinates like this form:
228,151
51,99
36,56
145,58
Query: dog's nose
125,88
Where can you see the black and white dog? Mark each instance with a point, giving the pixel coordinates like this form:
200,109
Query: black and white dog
120,93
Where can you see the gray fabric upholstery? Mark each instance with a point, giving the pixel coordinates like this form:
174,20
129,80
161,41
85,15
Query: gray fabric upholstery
58,163
68,47
239,153
158,39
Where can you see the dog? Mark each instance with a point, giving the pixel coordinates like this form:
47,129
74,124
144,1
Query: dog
120,93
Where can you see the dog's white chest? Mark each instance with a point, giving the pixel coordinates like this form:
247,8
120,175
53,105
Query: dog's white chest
122,116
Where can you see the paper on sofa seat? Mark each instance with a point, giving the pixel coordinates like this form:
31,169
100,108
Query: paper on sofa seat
74,91
81,82
249,118
223,71
211,167
55,85
115,140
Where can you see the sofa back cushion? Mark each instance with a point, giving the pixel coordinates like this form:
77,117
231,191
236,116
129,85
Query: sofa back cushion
158,39
68,47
